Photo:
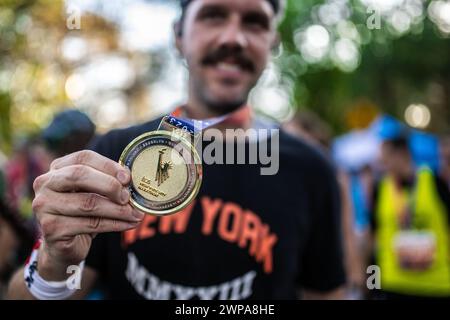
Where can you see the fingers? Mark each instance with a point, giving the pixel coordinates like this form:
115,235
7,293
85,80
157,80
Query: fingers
95,161
84,193
56,228
89,205
87,179
97,225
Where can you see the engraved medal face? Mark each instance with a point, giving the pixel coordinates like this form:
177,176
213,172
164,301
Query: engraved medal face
165,172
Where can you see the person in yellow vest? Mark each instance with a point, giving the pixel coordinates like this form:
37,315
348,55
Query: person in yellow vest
410,224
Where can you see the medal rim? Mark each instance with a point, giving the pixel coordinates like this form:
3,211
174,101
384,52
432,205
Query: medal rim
197,163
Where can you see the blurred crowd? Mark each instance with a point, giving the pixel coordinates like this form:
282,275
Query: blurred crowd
70,131
395,212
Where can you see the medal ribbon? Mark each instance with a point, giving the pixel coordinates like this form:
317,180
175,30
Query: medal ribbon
194,127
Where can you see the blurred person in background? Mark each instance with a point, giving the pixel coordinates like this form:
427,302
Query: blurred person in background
71,130
29,160
15,244
361,184
410,225
311,128
2,184
284,240
445,158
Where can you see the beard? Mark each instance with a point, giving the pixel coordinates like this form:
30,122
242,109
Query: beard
218,105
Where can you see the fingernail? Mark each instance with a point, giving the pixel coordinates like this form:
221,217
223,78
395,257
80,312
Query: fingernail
138,214
125,196
122,176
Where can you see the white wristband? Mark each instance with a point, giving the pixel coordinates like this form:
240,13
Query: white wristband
42,289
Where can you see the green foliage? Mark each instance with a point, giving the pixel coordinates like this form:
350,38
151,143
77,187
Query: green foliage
395,69
5,125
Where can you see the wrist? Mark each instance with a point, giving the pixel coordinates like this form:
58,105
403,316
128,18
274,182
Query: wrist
54,267
50,288
51,269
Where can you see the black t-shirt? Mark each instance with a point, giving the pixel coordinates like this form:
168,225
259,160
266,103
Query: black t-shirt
245,236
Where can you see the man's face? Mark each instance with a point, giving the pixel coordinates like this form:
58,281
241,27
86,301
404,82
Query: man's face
226,44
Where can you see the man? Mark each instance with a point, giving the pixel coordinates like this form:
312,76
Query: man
411,227
245,236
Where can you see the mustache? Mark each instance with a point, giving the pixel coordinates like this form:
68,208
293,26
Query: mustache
224,53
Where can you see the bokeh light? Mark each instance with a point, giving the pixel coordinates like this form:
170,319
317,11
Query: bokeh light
418,116
313,43
439,12
75,87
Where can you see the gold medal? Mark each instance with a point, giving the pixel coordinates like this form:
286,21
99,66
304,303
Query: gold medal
166,172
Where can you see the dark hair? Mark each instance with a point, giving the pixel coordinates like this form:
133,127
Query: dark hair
399,143
276,5
70,131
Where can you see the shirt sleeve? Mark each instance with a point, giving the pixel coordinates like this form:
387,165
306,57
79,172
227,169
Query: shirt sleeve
322,266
